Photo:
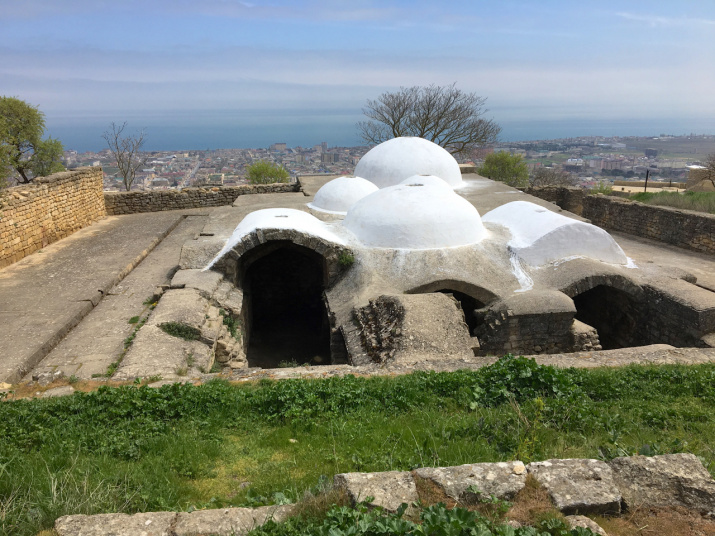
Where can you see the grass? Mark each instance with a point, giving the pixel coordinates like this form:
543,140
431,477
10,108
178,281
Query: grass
182,331
697,201
133,448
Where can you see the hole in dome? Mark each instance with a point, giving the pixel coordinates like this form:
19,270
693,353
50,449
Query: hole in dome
286,317
281,216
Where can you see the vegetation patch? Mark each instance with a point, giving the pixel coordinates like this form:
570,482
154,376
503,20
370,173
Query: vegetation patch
232,324
179,447
697,201
346,259
182,331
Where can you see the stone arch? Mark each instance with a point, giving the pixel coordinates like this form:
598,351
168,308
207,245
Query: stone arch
258,243
616,281
482,294
614,306
471,298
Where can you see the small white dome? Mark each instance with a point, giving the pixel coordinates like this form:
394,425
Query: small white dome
340,194
395,160
540,236
414,217
426,180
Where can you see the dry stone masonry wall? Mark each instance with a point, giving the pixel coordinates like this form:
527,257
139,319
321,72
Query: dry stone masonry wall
48,209
157,200
683,228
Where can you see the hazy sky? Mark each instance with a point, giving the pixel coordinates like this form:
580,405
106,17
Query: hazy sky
533,60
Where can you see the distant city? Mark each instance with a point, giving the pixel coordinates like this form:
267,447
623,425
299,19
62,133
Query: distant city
589,160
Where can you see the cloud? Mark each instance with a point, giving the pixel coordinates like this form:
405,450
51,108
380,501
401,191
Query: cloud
660,21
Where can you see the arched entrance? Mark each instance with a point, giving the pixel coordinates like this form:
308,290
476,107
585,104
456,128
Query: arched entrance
614,313
472,299
286,318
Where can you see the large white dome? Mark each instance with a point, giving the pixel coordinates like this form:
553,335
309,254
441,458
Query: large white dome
414,217
340,194
395,160
426,180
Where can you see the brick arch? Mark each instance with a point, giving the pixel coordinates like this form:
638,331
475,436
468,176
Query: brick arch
482,294
261,242
584,284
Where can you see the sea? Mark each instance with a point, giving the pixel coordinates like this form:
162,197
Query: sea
227,129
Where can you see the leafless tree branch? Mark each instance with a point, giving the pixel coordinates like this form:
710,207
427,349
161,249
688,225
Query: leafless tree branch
444,115
126,151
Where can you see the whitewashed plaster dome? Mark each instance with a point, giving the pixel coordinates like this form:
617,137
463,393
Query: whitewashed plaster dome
414,217
426,180
540,236
393,161
340,194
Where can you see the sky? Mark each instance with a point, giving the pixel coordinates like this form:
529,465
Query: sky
274,67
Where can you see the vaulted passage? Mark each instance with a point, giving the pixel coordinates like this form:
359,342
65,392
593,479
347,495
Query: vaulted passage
286,317
469,306
615,315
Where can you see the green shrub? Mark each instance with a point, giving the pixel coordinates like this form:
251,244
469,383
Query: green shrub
265,172
346,259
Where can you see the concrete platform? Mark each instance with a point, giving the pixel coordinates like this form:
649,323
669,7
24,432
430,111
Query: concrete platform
94,281
45,295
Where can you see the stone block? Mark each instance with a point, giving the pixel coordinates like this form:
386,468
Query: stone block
389,489
503,480
586,523
148,524
205,283
667,480
578,486
227,521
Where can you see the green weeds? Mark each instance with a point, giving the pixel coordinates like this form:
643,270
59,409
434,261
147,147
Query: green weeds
182,331
346,259
436,520
231,324
142,449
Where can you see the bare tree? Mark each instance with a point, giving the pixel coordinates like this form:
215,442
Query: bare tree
545,176
444,115
710,168
126,151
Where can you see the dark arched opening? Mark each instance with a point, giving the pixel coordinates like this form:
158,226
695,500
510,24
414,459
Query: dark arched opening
471,307
615,315
472,298
286,317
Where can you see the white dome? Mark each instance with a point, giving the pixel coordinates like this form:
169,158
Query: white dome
426,180
540,236
399,158
414,217
340,194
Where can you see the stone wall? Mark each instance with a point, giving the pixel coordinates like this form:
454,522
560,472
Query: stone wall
48,209
567,198
683,228
157,200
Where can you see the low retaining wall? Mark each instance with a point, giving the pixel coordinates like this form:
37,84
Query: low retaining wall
157,200
49,208
683,228
575,487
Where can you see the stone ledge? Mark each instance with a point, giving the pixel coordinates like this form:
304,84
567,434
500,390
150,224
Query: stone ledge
668,480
